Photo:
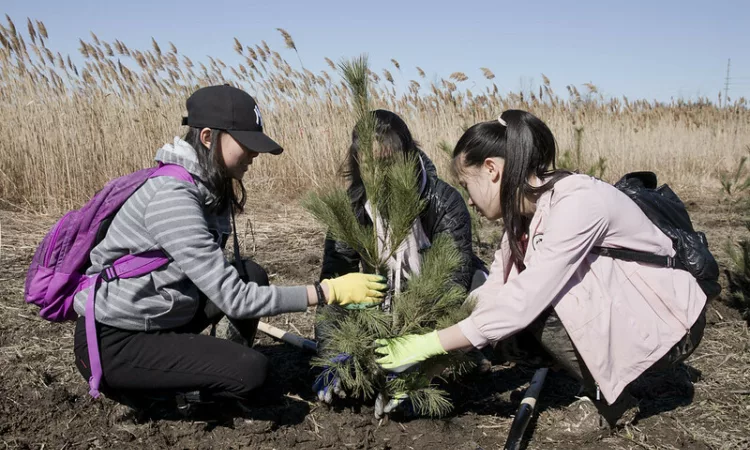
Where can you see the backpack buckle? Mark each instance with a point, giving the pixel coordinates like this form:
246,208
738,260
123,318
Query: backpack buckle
109,274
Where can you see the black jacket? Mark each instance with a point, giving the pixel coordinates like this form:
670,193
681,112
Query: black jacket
445,212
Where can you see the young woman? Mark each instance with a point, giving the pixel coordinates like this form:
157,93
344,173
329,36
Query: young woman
445,212
147,327
604,320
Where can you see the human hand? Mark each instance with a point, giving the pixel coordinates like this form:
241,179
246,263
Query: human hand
328,382
355,289
399,354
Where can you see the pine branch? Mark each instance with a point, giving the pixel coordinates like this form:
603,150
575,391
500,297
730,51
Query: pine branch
427,400
403,201
431,401
353,332
455,315
334,210
355,73
432,292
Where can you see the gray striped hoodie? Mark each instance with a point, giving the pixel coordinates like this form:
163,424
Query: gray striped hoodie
172,215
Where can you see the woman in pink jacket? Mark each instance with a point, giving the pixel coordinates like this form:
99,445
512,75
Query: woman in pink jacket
605,321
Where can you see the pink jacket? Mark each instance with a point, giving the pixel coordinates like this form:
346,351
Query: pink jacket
621,316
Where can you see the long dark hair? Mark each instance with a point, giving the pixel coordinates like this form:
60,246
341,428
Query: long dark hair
215,175
393,135
528,148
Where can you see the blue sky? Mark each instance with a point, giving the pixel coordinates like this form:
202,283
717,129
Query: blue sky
640,49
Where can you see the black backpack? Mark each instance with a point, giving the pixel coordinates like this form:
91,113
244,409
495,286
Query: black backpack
668,213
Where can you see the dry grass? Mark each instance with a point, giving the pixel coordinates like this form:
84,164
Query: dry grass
71,128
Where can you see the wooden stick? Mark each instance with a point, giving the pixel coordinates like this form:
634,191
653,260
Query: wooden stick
289,338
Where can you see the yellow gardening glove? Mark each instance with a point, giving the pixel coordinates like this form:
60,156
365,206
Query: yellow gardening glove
355,288
403,352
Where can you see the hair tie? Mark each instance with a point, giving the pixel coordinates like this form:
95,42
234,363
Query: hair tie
502,122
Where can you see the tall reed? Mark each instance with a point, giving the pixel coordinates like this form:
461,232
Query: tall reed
69,128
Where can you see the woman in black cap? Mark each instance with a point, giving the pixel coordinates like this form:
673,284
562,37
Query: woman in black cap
148,326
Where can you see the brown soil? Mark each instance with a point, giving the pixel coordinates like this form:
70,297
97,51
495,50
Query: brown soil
44,404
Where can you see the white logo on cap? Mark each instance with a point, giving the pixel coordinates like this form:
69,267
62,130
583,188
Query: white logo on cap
258,119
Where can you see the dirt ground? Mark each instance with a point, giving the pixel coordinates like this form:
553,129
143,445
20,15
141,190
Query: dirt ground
44,402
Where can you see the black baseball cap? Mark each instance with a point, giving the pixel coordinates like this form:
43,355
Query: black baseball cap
233,110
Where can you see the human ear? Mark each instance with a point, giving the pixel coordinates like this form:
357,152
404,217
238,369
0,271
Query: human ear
492,166
205,136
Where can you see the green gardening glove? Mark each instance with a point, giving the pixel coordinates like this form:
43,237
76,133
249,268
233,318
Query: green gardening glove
403,352
355,289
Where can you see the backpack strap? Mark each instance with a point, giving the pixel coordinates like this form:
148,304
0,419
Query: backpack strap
642,257
238,264
174,171
129,266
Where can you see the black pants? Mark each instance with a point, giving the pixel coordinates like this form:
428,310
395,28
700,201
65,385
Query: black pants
165,363
545,342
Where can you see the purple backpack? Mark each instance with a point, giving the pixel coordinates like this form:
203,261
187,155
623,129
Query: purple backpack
58,271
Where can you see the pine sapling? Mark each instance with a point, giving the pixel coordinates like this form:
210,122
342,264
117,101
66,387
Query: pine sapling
430,299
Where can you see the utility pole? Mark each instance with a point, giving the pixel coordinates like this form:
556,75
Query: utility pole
726,84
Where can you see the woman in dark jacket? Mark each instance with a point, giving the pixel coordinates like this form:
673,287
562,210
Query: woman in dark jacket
445,212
